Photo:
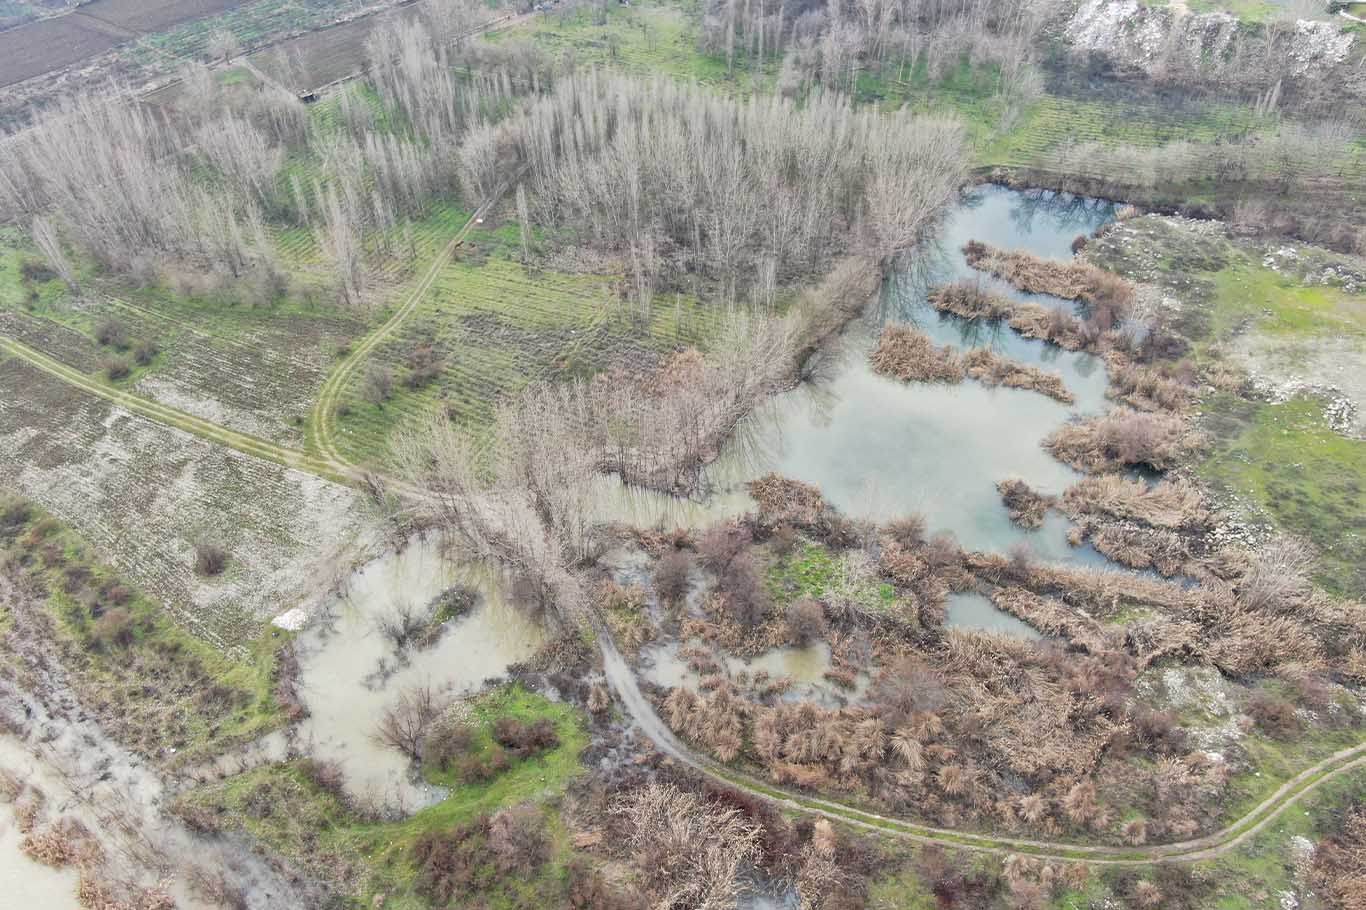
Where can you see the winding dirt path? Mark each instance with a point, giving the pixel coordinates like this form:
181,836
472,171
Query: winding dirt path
322,423
623,680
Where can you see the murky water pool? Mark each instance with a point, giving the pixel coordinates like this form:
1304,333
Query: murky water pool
973,611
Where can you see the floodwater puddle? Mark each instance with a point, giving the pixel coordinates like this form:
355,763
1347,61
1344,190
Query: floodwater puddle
350,671
880,448
976,612
805,667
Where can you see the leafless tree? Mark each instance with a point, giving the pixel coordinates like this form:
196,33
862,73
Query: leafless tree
405,722
45,235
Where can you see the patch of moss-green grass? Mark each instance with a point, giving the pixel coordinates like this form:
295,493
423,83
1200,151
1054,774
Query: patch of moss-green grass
808,571
285,809
155,685
1294,468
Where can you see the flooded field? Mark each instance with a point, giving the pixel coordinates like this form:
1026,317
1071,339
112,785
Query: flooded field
973,611
351,670
879,448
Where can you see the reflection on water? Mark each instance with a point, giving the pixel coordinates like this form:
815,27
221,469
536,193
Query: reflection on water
973,611
880,448
350,672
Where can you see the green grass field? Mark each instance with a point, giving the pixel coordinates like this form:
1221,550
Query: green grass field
288,812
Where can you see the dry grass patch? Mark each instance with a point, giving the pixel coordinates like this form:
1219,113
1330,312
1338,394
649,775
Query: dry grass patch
1027,507
993,370
1124,439
1070,280
909,355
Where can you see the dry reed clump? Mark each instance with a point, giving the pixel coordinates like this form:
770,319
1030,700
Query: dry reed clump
969,300
1148,388
65,842
1057,620
1027,507
688,851
992,369
1339,870
1123,439
1052,324
909,355
1174,504
1071,280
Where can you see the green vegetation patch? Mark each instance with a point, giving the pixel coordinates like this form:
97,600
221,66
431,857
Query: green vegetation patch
154,685
293,810
808,571
1289,463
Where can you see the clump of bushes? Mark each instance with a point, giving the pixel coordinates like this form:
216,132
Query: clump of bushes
210,558
909,355
1123,439
111,333
378,384
525,738
116,368
969,300
671,576
1027,507
992,370
805,620
478,856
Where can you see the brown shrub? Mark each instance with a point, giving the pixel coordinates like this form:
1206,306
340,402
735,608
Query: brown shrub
1339,870
805,620
378,385
721,543
1070,280
210,558
325,774
993,369
909,355
449,862
114,628
517,839
524,738
1273,715
404,723
1123,438
109,331
907,532
745,596
446,742
969,300
671,576
1027,508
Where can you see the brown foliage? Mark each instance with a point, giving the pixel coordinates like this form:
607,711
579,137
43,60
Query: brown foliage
405,722
1027,507
1070,280
1123,438
993,370
805,620
1339,871
524,738
210,558
969,300
721,543
516,836
909,355
671,576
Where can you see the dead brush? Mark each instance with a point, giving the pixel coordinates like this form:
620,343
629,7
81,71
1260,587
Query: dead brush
1070,280
1052,324
993,369
1171,504
1123,439
1146,388
1027,508
909,355
969,300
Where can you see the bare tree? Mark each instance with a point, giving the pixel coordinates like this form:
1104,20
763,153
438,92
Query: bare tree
45,235
404,723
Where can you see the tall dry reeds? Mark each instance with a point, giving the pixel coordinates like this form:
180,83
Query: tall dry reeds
993,369
1124,439
909,355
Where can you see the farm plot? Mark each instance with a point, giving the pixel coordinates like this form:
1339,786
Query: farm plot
51,44
325,55
144,494
488,329
154,15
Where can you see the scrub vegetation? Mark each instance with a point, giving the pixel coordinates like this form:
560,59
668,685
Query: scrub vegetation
488,271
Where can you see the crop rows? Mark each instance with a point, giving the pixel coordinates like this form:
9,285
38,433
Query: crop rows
90,463
496,328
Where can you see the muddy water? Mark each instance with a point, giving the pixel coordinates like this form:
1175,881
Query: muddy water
351,672
23,882
804,666
975,612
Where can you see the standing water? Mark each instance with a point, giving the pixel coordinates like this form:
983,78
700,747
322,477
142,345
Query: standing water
880,448
351,671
